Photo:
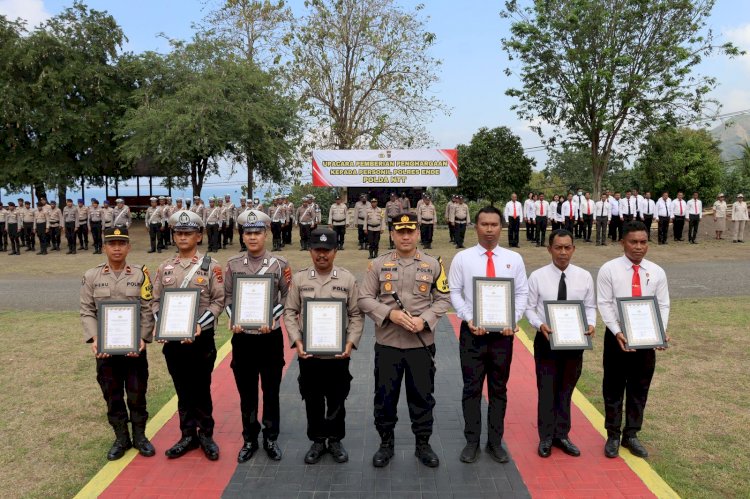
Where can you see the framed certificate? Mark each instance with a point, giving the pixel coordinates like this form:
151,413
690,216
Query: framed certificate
640,320
567,320
494,303
324,327
178,314
119,327
252,303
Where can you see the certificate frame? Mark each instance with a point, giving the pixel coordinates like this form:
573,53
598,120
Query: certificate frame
478,285
308,340
583,342
238,302
132,307
659,340
188,331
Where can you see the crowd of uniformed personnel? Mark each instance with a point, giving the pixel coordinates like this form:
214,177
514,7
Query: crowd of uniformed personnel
404,291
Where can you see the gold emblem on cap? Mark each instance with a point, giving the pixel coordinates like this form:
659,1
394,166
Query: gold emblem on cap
405,218
117,232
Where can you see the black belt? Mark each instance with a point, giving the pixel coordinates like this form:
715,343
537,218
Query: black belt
55,224
343,220
460,220
427,220
369,225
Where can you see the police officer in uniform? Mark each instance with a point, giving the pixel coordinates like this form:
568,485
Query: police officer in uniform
121,214
212,219
306,221
83,225
360,210
324,380
13,221
392,210
242,208
449,206
374,225
258,353
191,362
41,227
153,222
70,218
55,217
3,232
277,213
427,217
122,378
289,210
337,220
28,226
404,335
459,219
95,221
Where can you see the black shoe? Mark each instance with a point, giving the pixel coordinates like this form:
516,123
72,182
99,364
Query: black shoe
248,450
567,446
316,452
635,447
151,251
210,449
425,454
272,449
141,443
470,452
337,451
497,453
545,448
121,444
612,447
385,453
184,445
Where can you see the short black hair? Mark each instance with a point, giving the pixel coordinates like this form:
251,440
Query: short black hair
634,226
561,233
488,209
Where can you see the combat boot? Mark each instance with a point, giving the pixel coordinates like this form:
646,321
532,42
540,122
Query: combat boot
425,453
140,442
385,453
122,442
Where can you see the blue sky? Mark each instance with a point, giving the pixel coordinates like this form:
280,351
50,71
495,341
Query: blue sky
472,83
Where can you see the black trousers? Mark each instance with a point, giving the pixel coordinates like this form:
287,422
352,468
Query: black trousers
83,235
286,233
541,231
124,380
340,234
324,385
54,236
570,224
557,372
588,222
96,235
239,233
556,225
663,229
530,234
601,230
190,366
579,227
254,357
373,239
514,226
693,222
70,235
361,237
41,233
627,218
392,365
615,227
14,237
679,225
276,232
489,357
154,234
626,375
452,232
459,233
212,230
229,232
425,233
647,221
28,234
3,237
304,235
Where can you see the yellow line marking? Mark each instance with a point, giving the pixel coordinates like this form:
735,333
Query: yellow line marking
640,467
112,469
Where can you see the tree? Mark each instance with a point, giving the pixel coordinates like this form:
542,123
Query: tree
573,166
605,73
681,159
493,165
363,72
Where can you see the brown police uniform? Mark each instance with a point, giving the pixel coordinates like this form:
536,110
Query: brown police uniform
83,227
324,381
3,230
41,227
427,217
374,225
392,210
337,220
70,218
155,224
459,217
121,216
306,219
360,209
191,365
95,222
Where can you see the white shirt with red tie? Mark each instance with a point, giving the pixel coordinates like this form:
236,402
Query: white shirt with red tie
695,207
541,209
588,207
679,208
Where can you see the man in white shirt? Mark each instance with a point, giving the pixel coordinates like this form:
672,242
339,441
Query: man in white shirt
695,213
587,210
615,224
603,212
638,203
541,214
513,214
484,354
646,210
664,212
628,207
528,213
557,371
627,371
570,212
739,218
578,199
679,210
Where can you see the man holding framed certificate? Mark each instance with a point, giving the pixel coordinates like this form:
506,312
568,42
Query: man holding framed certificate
191,361
256,287
321,315
627,370
562,308
119,329
486,354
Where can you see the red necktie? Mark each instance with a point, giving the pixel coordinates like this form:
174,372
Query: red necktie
680,202
636,285
571,209
541,205
588,208
490,265
514,210
695,203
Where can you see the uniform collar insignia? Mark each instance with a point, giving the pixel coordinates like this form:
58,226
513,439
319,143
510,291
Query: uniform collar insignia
128,270
245,261
265,262
312,273
105,270
335,274
194,259
417,256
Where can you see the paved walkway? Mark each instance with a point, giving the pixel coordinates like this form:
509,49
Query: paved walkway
591,475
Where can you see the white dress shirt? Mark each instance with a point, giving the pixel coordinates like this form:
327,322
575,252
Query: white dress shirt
543,285
472,262
553,210
647,207
566,210
695,207
588,205
626,203
664,208
603,209
541,209
579,199
614,205
509,210
528,208
676,205
615,280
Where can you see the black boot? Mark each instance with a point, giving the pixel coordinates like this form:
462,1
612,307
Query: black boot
122,442
385,453
425,453
140,442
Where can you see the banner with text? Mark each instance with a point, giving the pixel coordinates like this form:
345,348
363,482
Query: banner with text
396,167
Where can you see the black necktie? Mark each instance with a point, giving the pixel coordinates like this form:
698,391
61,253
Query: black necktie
562,289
